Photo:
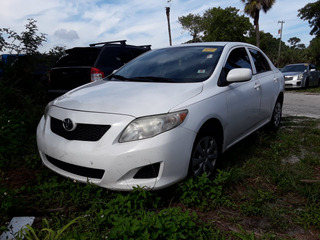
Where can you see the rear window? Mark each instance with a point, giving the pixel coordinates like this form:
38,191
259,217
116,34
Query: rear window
79,57
114,57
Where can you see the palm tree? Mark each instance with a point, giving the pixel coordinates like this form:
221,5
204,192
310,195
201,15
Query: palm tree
252,8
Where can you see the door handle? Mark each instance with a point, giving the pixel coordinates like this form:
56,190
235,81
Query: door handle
275,79
257,86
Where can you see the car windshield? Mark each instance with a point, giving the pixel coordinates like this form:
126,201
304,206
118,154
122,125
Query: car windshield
294,68
176,64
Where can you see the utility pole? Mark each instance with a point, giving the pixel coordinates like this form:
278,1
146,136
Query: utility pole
282,22
168,18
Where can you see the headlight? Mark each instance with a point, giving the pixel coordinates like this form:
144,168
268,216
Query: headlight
147,127
300,76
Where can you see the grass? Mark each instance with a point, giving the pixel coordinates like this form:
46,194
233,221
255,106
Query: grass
268,187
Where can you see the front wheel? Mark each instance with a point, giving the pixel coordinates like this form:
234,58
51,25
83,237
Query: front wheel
276,116
205,155
307,83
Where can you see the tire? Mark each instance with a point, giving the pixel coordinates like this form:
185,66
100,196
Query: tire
276,116
205,155
307,83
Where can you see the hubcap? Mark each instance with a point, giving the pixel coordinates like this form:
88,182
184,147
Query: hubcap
205,155
277,114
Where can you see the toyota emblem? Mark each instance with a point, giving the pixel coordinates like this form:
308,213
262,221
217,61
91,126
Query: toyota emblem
68,125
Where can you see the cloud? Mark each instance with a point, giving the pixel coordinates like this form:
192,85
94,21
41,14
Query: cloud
66,35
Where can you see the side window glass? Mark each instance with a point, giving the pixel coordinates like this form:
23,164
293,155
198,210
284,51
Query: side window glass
260,61
238,58
114,57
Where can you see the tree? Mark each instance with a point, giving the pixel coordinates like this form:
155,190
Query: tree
217,24
225,25
193,24
314,51
252,8
295,43
27,42
311,12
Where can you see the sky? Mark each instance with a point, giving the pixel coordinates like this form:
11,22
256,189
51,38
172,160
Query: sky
75,23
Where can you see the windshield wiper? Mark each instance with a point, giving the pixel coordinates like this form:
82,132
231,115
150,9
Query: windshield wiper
152,79
119,77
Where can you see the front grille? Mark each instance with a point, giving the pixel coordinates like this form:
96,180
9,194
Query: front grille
75,169
82,132
288,78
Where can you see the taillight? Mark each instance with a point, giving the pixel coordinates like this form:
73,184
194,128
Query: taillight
96,74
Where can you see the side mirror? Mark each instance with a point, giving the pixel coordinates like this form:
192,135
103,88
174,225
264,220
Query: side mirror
239,75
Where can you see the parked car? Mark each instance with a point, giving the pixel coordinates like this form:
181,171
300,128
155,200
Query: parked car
167,113
301,75
82,65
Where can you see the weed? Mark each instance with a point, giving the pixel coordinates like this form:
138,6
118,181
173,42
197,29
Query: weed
309,216
46,233
254,205
203,192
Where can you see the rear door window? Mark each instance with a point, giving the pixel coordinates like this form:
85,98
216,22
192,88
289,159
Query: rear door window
260,61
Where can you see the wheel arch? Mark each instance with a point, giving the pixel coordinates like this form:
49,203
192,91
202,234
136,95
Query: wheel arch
280,98
214,125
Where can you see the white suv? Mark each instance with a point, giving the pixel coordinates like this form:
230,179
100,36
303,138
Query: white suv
167,113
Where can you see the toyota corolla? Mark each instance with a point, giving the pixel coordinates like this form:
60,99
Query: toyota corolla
166,114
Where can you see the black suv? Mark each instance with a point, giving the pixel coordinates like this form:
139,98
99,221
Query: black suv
82,65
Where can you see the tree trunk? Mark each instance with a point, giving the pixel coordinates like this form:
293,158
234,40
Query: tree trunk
169,29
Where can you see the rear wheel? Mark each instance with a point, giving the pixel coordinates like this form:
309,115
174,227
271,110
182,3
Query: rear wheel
205,155
276,115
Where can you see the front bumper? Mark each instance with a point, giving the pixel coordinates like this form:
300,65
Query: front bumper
293,82
110,164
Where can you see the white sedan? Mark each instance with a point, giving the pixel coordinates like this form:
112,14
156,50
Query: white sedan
166,114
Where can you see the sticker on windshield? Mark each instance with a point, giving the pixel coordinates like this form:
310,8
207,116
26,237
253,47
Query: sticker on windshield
210,56
209,50
201,71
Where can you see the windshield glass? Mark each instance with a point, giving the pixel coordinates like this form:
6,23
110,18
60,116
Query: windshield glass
294,68
176,64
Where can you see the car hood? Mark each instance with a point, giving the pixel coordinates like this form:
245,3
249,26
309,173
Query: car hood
128,98
291,73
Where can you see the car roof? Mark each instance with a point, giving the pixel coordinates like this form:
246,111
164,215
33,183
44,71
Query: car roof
222,44
298,64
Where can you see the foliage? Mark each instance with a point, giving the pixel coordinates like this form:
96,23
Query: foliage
46,233
225,25
204,192
27,42
217,24
310,12
193,24
57,51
